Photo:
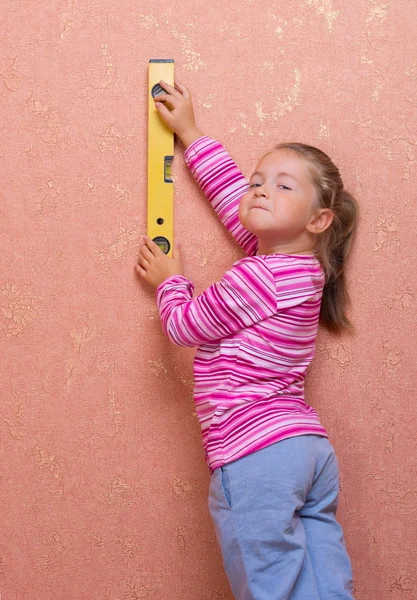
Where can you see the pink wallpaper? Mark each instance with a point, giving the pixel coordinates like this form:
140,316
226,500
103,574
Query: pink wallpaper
103,485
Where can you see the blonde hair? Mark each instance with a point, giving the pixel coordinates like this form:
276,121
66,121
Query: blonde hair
333,244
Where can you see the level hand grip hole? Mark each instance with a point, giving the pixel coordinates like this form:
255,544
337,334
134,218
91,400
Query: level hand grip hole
157,90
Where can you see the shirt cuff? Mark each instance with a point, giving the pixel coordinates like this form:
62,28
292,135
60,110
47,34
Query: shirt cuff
196,146
174,282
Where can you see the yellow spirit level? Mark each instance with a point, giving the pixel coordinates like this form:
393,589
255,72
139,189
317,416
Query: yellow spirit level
160,157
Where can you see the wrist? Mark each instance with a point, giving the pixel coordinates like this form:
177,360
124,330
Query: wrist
190,136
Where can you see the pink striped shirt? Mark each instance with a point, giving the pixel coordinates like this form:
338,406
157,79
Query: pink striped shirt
255,329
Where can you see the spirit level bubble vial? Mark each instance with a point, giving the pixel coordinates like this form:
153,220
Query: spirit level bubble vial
160,157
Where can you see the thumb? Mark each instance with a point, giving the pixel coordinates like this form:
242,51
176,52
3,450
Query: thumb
176,252
164,113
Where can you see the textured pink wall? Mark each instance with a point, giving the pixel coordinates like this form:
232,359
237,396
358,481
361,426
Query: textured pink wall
103,484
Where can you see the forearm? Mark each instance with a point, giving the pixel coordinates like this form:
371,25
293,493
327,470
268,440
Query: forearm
223,184
246,294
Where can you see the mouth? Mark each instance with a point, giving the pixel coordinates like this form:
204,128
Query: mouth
259,207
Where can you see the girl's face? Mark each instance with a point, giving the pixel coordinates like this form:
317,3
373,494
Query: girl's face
279,203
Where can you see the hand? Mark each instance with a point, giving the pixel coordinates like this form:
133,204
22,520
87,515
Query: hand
181,118
154,266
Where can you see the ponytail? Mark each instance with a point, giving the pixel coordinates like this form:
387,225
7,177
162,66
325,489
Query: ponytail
332,249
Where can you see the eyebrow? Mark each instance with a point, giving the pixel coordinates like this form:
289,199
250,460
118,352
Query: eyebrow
279,174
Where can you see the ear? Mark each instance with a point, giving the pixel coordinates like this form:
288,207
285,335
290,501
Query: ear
320,221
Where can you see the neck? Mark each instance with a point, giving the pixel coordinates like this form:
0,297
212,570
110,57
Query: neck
285,248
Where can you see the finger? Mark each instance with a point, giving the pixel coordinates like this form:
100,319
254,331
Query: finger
146,253
170,89
183,90
140,271
167,98
152,246
143,262
165,113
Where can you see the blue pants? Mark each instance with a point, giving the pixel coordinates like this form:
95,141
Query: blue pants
274,513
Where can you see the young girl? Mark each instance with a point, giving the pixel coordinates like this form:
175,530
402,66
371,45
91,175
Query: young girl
274,475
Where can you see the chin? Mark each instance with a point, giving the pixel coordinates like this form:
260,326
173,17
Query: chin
244,222
254,225
247,225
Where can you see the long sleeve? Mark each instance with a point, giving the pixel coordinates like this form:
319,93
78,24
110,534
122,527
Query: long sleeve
245,295
223,184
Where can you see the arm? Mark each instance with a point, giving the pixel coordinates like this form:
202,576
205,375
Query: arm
223,184
245,295
215,171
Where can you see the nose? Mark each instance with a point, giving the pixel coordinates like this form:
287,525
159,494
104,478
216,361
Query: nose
260,191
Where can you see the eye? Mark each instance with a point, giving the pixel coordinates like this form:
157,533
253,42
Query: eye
253,185
284,186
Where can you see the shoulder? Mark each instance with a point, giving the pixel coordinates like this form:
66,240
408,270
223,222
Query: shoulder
253,263
253,271
272,270
273,263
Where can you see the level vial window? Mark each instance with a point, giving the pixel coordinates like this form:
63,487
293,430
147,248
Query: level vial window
167,169
163,243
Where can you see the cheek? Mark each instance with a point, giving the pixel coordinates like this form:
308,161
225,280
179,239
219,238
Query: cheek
240,212
244,198
243,204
